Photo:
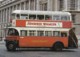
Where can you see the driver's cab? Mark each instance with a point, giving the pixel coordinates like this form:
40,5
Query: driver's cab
11,32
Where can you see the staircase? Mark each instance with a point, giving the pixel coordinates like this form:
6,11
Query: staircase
73,42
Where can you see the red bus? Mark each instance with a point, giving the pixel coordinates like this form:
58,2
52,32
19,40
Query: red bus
40,32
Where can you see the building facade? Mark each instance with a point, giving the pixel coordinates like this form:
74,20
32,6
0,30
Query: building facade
7,6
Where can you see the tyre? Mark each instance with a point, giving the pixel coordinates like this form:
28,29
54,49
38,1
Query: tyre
11,47
58,46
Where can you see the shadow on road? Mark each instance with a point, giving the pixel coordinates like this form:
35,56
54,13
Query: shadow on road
42,50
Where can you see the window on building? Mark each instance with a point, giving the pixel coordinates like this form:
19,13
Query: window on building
72,4
5,15
0,15
43,6
73,18
14,7
18,6
31,4
27,5
61,5
22,6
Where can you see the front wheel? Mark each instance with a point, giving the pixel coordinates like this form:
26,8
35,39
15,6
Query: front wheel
11,47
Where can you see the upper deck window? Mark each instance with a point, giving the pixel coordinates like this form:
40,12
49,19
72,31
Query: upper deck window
24,16
56,17
48,17
65,17
40,17
17,16
32,17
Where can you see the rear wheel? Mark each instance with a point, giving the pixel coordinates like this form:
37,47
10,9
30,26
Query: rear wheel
11,47
58,47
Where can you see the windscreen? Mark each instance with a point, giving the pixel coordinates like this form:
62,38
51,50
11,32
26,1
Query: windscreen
12,32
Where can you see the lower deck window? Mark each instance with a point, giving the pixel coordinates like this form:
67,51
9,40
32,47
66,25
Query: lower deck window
56,33
48,33
32,33
63,34
40,33
23,33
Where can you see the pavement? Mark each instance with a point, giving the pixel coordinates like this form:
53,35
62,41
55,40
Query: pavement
2,42
78,36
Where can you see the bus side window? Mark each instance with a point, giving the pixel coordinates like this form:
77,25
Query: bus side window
40,33
64,17
40,17
48,33
24,16
56,33
32,33
63,34
23,33
47,17
32,17
56,17
18,16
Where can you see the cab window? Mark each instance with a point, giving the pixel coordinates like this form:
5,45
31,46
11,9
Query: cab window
13,32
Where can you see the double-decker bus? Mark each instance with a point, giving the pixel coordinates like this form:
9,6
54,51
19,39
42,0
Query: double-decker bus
40,29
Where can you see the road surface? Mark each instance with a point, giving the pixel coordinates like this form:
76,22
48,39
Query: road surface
38,53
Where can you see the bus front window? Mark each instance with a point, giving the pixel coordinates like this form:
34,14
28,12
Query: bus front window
12,32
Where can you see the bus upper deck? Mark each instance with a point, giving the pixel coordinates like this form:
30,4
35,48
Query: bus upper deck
41,15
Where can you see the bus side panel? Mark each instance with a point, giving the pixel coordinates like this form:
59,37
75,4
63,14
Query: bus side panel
41,41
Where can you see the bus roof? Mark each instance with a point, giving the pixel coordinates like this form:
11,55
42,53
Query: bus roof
40,12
